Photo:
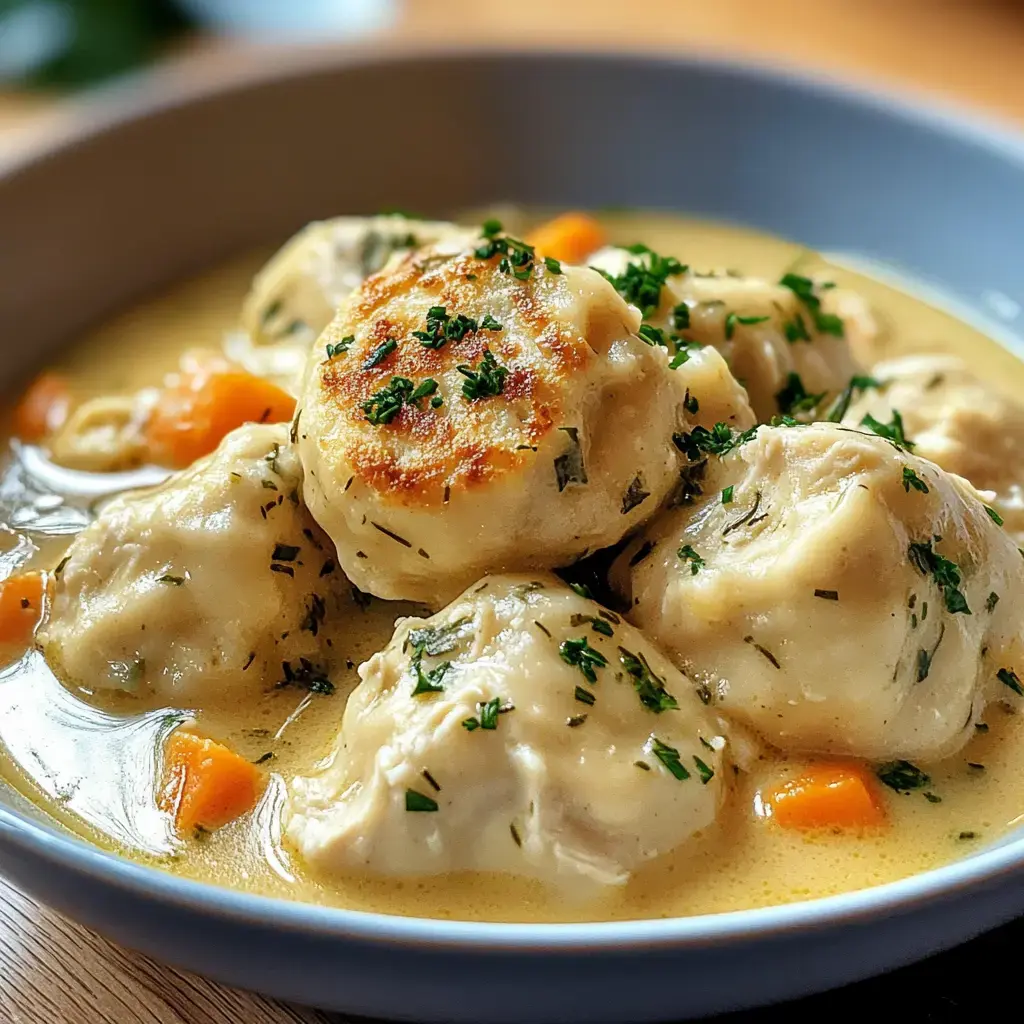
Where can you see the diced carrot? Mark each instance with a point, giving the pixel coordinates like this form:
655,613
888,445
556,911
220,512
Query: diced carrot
21,607
571,237
837,794
192,418
206,785
43,407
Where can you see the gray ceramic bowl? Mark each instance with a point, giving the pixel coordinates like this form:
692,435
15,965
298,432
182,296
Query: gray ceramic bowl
160,182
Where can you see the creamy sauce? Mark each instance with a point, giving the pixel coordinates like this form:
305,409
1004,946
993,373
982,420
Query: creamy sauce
94,767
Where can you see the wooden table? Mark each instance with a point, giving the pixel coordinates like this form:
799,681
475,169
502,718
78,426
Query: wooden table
969,51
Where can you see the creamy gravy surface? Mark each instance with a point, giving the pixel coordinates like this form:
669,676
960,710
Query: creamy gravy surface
93,766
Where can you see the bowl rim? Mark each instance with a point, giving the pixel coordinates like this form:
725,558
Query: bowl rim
139,96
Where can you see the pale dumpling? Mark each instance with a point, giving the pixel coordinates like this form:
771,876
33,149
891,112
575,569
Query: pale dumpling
766,332
524,730
834,592
205,590
956,421
295,296
465,415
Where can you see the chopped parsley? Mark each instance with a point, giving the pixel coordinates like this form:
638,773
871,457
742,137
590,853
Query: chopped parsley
650,687
339,348
991,601
635,495
552,265
732,320
432,681
173,581
517,257
569,468
719,440
945,573
705,772
727,494
687,554
827,595
690,404
911,479
794,397
902,776
305,675
415,801
486,381
380,353
842,404
1010,678
580,654
596,624
385,405
669,757
433,641
285,552
804,289
796,330
892,432
994,515
681,317
442,327
651,335
641,282
584,696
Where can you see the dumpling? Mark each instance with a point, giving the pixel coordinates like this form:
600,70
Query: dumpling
465,415
956,421
296,295
833,592
766,332
545,736
203,590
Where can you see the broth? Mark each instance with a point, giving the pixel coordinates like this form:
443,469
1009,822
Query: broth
92,766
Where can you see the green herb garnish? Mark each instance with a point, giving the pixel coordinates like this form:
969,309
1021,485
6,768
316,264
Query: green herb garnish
641,282
415,801
732,320
911,479
794,397
580,654
892,432
669,757
687,554
650,687
486,381
945,573
380,353
902,776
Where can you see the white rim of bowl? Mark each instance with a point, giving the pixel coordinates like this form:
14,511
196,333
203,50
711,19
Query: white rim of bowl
138,96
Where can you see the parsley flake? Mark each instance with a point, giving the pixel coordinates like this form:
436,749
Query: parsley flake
380,353
650,687
669,757
486,381
416,801
945,573
892,432
687,554
911,479
641,282
794,397
581,655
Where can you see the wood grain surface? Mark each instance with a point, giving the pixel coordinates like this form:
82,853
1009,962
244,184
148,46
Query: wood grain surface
53,971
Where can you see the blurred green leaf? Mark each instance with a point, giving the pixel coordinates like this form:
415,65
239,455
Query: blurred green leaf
89,40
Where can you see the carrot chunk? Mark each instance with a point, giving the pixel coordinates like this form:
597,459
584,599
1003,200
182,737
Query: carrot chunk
192,418
21,607
828,795
206,785
43,407
571,237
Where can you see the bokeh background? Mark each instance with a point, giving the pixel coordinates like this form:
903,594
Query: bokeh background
968,51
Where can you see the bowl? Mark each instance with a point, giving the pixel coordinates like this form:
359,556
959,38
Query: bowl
166,175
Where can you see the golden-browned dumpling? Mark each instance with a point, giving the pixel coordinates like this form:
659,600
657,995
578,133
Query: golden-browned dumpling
524,730
204,590
765,331
833,592
297,293
956,421
465,415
